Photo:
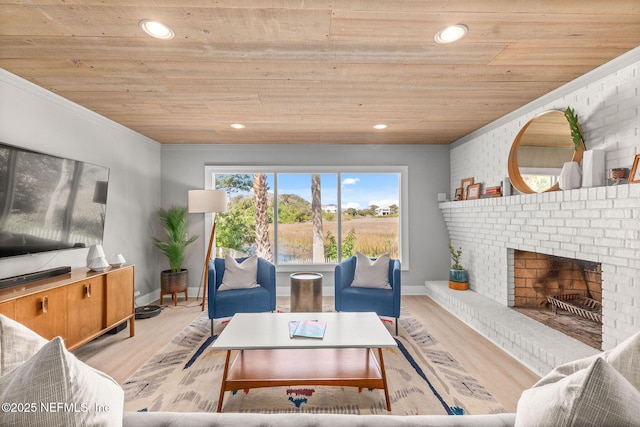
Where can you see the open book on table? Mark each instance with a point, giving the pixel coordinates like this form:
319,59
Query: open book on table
307,329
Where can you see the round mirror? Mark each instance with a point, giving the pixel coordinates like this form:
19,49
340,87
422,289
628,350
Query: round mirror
540,149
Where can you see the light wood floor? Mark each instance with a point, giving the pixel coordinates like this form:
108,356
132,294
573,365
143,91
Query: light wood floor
505,378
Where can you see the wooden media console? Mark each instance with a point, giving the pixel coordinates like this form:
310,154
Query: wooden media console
78,306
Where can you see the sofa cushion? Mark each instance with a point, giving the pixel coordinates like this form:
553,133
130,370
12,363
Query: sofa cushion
17,344
595,396
239,275
625,358
371,273
229,419
54,388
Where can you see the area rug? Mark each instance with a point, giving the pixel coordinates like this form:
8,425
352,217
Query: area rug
423,378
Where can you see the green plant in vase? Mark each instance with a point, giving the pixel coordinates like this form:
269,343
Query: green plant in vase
174,221
458,276
576,134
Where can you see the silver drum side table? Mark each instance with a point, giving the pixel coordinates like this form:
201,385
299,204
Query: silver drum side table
306,292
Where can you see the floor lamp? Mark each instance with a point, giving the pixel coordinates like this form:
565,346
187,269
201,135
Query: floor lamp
207,201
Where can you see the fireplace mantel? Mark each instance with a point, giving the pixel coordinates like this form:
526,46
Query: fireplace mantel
600,224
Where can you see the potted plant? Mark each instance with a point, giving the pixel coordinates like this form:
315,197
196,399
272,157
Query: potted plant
174,221
571,175
458,277
576,134
593,161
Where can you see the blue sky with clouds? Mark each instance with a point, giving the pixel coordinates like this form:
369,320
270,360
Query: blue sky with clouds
359,190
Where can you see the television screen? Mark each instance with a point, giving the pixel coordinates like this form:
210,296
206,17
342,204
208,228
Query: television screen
49,203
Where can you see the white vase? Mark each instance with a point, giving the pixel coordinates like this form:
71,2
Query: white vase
95,251
570,176
99,264
117,260
593,173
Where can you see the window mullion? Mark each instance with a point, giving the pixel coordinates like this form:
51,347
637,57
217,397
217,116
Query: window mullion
275,218
339,214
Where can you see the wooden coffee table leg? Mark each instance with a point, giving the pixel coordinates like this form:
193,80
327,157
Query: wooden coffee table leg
384,380
223,386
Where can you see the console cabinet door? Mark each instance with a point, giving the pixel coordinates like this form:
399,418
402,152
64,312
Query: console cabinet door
119,294
45,313
8,309
86,309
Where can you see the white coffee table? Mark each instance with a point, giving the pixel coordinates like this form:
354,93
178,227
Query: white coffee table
268,357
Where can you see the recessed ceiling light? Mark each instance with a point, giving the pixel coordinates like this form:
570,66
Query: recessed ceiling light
238,126
156,29
451,34
380,126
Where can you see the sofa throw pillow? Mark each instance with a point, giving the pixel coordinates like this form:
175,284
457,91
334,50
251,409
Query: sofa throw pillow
371,273
595,396
17,344
625,358
73,393
239,275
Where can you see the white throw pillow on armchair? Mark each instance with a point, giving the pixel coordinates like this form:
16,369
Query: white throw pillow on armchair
370,273
239,275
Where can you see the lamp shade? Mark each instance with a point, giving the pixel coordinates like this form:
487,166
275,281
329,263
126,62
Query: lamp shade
204,201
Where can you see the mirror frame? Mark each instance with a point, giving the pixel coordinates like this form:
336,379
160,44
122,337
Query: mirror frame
514,170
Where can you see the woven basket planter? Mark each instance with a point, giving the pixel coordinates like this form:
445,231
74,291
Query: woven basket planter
174,282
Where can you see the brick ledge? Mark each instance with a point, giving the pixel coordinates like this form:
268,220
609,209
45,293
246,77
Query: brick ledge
533,344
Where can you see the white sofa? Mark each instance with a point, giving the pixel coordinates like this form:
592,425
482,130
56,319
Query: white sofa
176,419
41,383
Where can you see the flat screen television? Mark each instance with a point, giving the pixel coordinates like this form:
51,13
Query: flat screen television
49,203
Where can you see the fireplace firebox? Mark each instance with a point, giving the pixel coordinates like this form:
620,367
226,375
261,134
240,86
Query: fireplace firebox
564,294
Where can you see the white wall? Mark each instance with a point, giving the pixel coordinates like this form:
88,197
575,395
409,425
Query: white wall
183,170
34,118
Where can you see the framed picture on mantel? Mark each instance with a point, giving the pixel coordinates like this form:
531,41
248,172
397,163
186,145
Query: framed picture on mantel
635,170
473,192
464,184
458,195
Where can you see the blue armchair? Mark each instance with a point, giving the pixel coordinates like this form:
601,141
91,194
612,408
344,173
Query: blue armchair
384,302
252,300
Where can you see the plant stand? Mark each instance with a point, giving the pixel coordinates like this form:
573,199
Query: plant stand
174,283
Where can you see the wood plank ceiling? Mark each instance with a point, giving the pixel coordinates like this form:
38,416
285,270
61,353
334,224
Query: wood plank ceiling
296,71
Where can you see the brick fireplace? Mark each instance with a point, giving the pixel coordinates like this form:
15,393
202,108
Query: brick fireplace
598,225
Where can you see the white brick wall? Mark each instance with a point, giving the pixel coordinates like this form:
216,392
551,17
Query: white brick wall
609,115
600,224
596,224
